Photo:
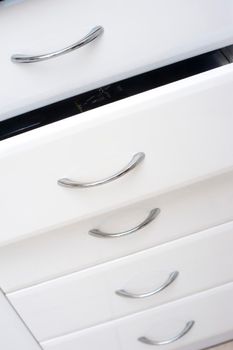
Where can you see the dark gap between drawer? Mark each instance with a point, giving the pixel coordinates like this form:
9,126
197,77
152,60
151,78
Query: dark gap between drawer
112,93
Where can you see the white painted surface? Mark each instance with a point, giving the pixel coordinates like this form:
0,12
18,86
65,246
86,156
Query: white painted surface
14,334
183,212
212,311
185,130
137,38
88,298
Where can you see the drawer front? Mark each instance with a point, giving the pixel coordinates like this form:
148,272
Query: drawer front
184,129
139,37
212,312
125,286
182,212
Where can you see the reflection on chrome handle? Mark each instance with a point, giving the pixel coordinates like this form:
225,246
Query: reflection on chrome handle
152,215
136,160
186,329
171,278
92,35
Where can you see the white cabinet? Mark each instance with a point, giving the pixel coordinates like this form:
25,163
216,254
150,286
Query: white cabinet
116,224
89,297
212,312
67,249
138,37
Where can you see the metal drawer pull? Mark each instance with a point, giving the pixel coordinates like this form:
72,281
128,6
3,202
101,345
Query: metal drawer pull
92,35
152,215
136,160
186,329
171,278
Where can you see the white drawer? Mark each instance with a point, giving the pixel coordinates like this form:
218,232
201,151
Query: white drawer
137,38
84,299
212,312
183,212
184,129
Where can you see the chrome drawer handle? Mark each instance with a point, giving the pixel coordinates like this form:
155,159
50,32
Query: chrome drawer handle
135,161
152,215
92,35
171,278
186,329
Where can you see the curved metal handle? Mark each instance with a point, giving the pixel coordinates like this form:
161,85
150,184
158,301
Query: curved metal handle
152,215
186,329
136,160
92,35
171,278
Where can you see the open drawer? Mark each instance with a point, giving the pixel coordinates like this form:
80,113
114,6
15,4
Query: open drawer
184,130
137,37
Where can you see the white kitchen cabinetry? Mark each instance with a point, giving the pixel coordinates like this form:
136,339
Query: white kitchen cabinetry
68,249
116,227
87,298
212,312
